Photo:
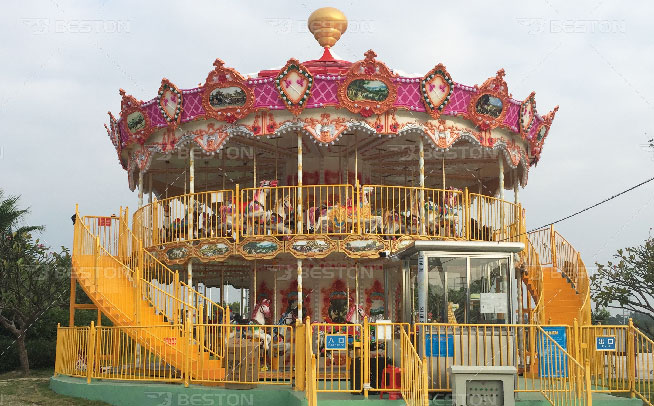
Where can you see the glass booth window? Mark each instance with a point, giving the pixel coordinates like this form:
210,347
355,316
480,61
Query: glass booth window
467,289
489,290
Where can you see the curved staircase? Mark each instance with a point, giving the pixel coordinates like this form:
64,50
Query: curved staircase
132,288
556,280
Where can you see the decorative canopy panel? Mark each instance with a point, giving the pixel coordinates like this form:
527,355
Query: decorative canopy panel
327,99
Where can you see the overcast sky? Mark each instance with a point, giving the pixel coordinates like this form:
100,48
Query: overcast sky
63,63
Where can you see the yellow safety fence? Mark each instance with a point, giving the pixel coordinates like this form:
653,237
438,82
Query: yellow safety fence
545,250
414,384
542,364
389,211
621,359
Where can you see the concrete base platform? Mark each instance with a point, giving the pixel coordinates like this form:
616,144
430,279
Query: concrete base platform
124,393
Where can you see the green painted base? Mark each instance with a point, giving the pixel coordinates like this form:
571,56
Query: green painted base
160,394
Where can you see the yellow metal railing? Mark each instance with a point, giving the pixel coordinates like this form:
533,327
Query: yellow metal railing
546,248
187,217
133,269
72,351
563,380
641,367
390,211
257,354
414,386
338,369
543,365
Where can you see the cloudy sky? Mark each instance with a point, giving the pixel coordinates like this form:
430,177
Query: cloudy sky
63,63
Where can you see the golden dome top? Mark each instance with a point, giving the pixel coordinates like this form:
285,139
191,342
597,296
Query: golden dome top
327,24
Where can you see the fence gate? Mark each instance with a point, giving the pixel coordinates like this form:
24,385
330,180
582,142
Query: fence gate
340,351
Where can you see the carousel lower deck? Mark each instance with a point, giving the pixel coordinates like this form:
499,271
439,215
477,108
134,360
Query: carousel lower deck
165,331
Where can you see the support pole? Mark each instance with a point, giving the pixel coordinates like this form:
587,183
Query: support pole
254,285
254,170
299,289
299,185
356,286
73,294
516,186
423,281
189,270
222,288
149,188
275,294
140,189
500,163
421,164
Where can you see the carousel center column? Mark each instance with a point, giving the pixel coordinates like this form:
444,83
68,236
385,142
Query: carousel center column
190,208
299,222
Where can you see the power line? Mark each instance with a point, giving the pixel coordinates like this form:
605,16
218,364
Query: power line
593,206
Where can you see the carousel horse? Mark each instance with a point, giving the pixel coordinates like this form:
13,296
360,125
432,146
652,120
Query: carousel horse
278,219
252,211
392,223
355,314
339,216
259,314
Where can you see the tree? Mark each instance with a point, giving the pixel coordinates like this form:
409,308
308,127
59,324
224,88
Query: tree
33,280
600,316
628,283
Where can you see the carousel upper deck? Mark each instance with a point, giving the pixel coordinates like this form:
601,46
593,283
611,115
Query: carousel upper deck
312,221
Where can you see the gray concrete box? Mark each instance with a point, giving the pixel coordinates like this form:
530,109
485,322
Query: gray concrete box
483,386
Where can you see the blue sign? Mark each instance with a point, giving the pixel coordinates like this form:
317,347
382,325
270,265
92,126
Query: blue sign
336,342
605,343
552,362
439,345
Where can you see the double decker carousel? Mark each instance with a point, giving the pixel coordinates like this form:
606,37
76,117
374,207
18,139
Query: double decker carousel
318,188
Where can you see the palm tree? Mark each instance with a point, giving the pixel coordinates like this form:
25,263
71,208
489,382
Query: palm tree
11,216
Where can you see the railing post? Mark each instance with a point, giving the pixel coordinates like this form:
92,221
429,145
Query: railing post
155,222
90,353
200,324
176,299
236,214
137,295
358,203
553,247
96,255
577,354
186,351
588,392
631,358
466,211
365,358
425,382
300,352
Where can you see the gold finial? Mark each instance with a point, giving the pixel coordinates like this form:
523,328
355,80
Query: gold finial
327,24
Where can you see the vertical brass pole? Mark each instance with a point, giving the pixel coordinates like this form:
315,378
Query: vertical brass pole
421,164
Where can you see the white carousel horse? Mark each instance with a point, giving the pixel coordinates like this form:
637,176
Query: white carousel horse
259,314
277,218
339,215
355,314
254,210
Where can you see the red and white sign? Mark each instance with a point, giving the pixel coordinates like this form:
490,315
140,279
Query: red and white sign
170,340
104,221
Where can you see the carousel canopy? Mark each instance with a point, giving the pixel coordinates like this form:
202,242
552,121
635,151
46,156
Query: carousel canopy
345,111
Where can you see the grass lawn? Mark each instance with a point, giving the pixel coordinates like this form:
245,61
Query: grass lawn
18,390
